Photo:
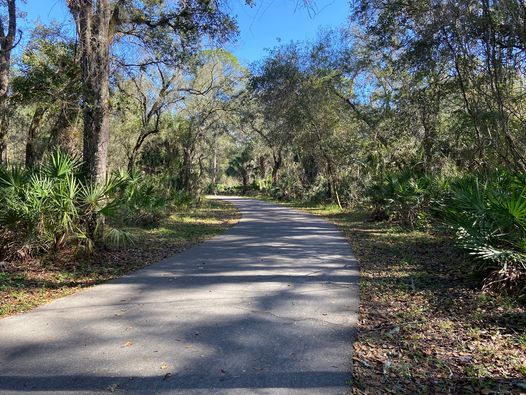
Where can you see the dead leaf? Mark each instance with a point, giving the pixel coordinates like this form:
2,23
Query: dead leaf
112,387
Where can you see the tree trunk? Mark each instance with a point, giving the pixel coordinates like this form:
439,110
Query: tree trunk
332,187
4,121
95,35
329,183
7,43
31,155
214,166
133,155
428,120
65,131
184,175
245,183
262,166
278,161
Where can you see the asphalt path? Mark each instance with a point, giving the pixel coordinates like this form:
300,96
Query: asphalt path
268,307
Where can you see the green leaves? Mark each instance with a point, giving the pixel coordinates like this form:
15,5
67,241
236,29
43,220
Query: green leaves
61,164
118,238
405,196
52,206
13,177
489,219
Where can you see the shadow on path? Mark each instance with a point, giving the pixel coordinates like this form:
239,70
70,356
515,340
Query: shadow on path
268,307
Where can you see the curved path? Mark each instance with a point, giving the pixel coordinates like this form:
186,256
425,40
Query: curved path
269,307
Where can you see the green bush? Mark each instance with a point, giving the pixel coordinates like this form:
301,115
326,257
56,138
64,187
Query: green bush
407,197
288,187
50,207
489,221
143,201
54,206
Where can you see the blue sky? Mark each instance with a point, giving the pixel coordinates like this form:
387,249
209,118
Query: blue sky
261,26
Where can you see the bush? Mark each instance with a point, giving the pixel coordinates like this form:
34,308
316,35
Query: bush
52,206
289,186
489,221
406,197
143,201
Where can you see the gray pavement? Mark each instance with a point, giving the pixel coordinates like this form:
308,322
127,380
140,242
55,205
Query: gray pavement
269,307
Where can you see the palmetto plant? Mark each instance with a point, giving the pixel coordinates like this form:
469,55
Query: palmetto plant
143,201
403,196
53,206
489,218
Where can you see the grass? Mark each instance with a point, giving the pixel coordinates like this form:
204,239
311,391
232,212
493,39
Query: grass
25,285
425,326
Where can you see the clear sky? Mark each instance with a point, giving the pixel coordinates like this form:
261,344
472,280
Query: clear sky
261,26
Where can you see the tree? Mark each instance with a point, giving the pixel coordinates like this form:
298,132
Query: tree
242,166
166,31
47,82
7,44
217,76
153,93
468,52
271,108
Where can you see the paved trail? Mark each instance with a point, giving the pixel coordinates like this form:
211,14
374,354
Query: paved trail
269,307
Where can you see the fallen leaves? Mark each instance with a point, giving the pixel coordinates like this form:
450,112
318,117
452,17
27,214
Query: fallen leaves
425,327
112,387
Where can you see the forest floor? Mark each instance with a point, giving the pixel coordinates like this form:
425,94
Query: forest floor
32,282
425,326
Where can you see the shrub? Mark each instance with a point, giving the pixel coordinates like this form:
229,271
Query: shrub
289,186
50,207
489,221
142,200
406,197
145,201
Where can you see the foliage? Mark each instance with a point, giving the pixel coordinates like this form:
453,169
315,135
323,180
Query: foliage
147,200
489,219
242,166
47,85
50,207
406,197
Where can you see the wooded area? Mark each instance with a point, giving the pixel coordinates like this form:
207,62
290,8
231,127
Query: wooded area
415,110
414,113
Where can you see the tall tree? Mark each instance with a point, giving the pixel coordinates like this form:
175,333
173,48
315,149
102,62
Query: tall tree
47,83
273,90
7,43
470,56
95,22
166,32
